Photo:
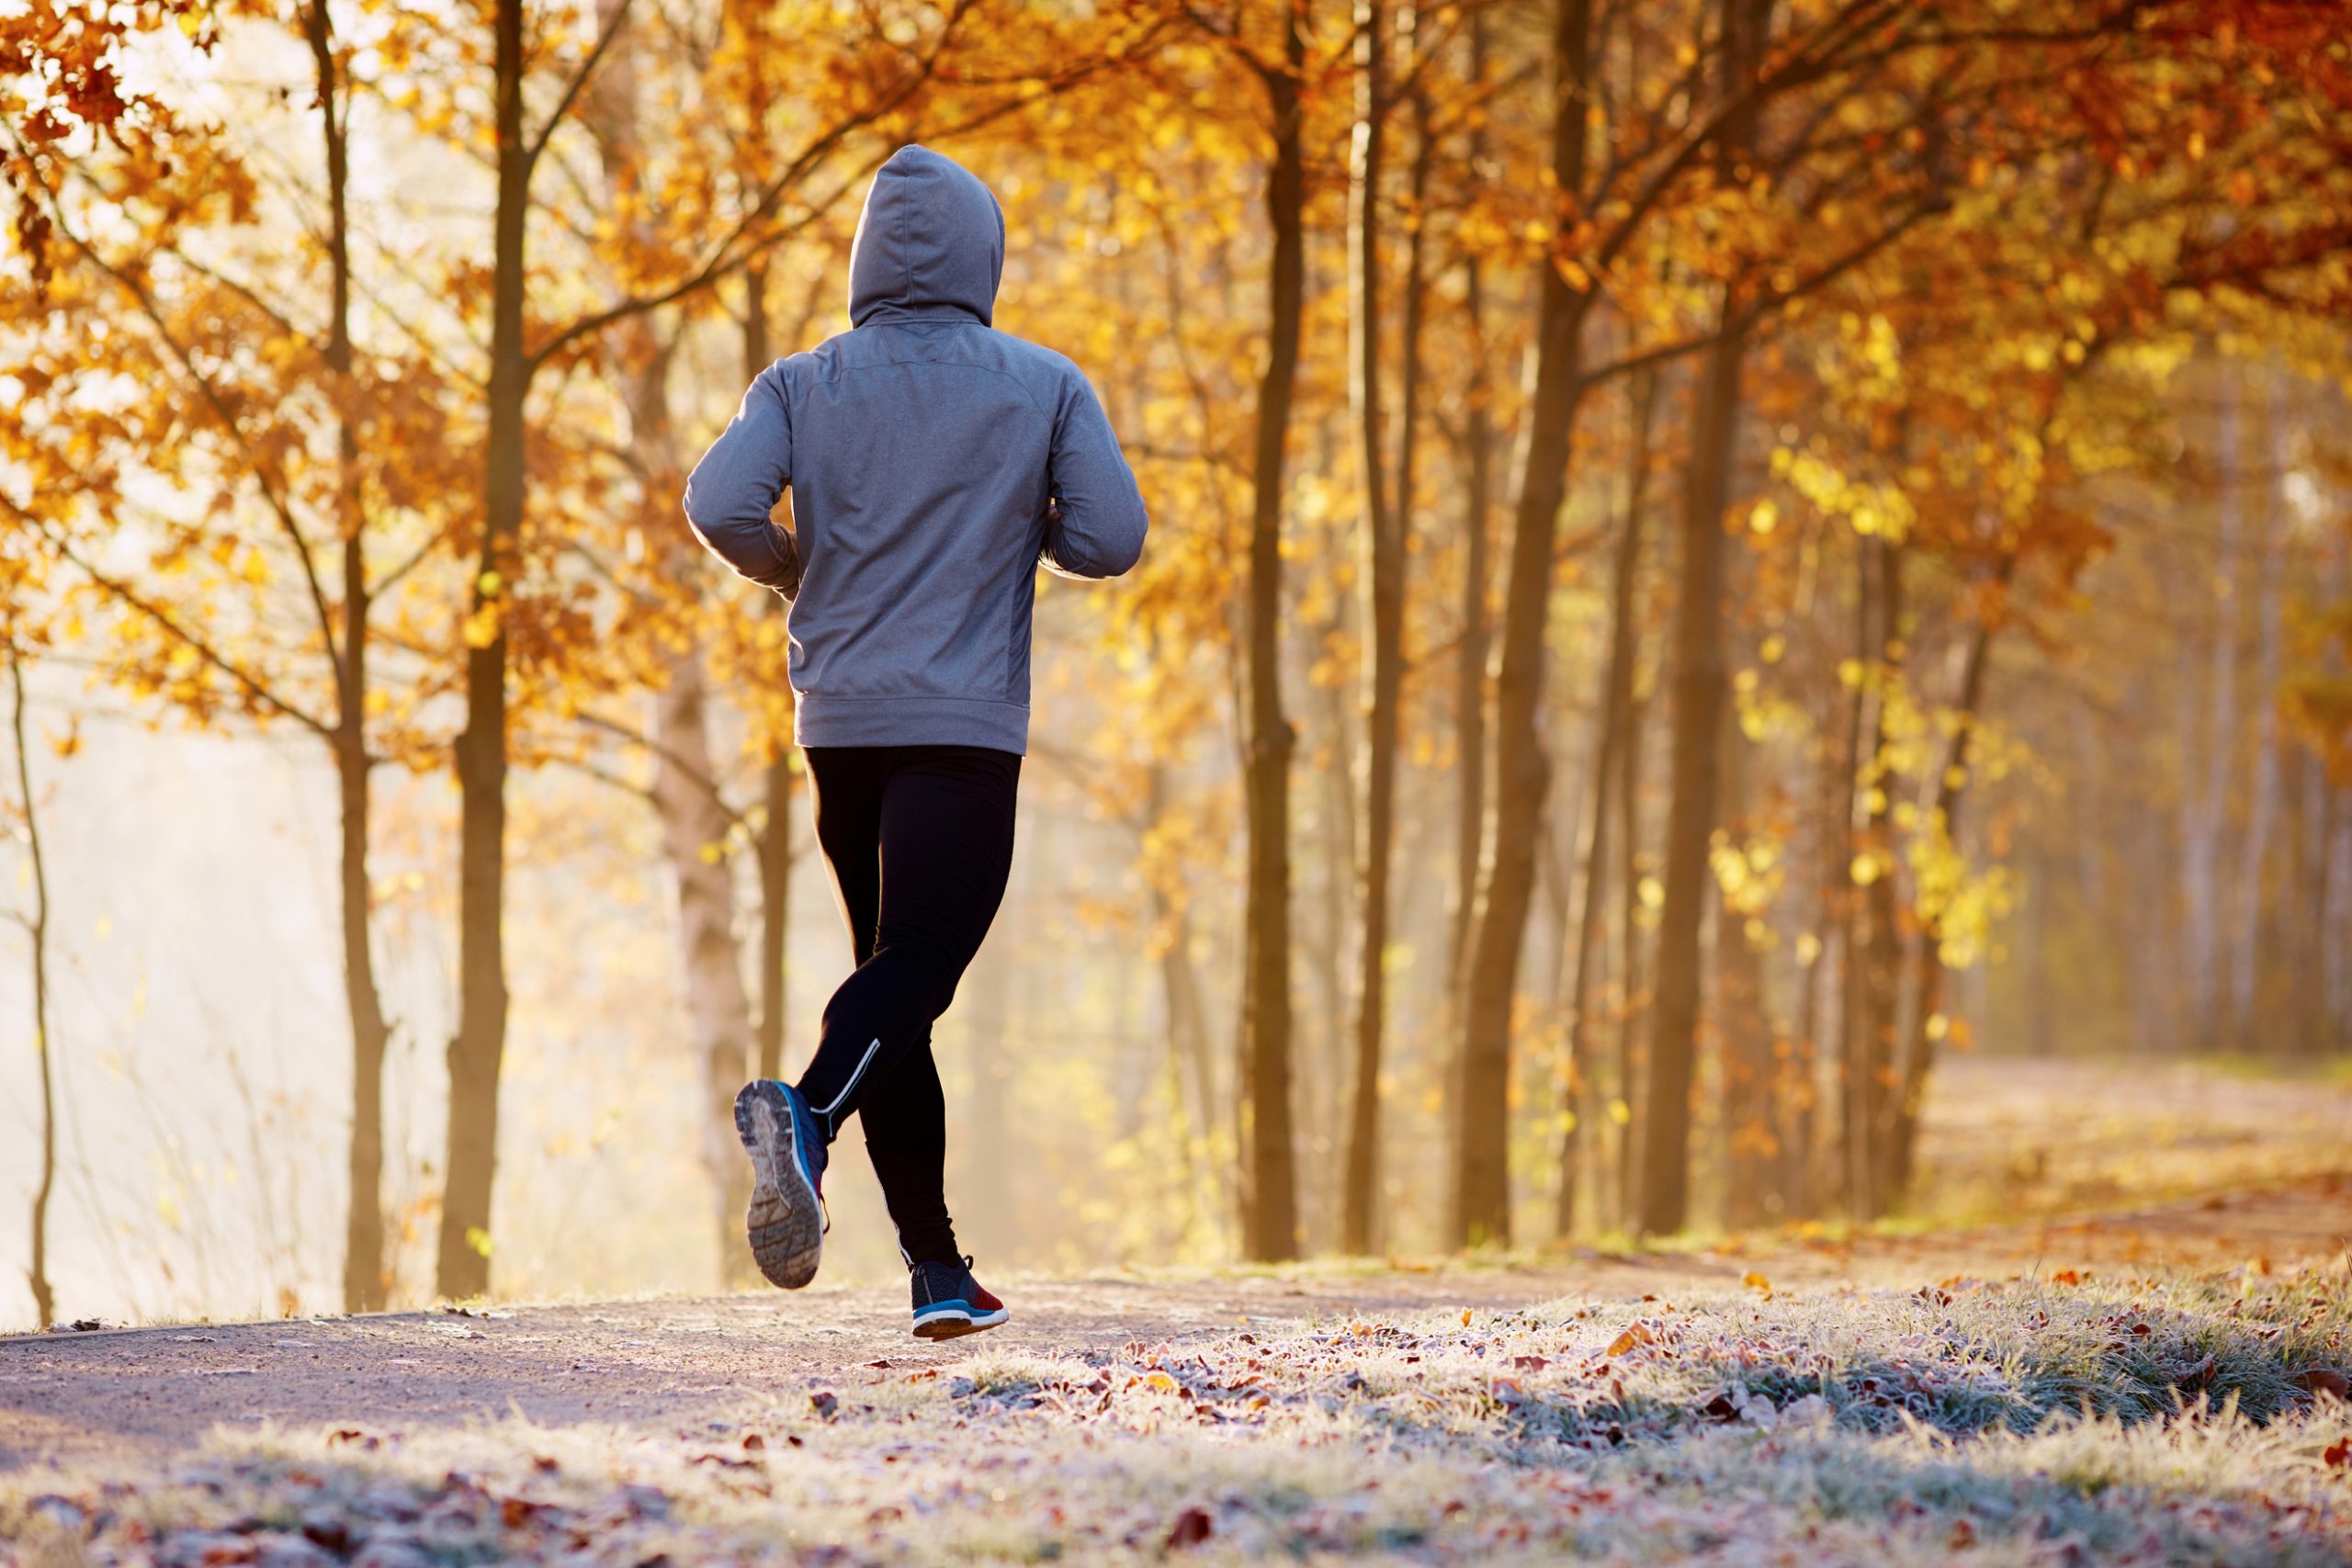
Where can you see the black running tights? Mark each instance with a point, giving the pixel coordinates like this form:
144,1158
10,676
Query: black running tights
920,841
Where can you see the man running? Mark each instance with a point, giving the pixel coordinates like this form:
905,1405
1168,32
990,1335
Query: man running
934,464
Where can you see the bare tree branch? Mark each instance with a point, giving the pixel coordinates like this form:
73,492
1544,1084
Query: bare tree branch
246,681
571,90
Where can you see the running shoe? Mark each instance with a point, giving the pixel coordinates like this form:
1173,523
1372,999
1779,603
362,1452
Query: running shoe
949,1301
786,1220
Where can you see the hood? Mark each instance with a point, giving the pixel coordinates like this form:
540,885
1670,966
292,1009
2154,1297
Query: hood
929,242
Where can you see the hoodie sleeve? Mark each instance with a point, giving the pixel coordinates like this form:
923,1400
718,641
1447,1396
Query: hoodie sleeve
738,483
1096,525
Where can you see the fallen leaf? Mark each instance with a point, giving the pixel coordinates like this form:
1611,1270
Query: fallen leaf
2326,1381
1635,1333
1193,1527
325,1528
1754,1282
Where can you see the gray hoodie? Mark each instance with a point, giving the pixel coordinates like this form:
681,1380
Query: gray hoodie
934,464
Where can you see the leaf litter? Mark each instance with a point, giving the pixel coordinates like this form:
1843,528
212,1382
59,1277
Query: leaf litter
2173,1419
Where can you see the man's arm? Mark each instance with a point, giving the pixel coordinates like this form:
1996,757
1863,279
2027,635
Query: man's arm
1097,524
738,483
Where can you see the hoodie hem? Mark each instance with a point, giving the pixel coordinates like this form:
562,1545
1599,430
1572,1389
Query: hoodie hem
911,721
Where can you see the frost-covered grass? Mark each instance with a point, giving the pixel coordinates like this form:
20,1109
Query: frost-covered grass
2174,1420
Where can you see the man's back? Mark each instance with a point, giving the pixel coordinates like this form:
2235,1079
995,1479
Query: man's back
934,463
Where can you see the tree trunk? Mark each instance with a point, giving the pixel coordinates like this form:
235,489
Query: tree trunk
2314,934
1187,1055
1470,657
478,1048
776,830
1873,957
695,826
775,913
991,1183
2332,983
365,1270
1838,884
1801,1090
44,1045
1631,1048
1269,1186
1325,1049
1747,1124
364,1274
1382,553
1697,681
2207,801
2262,816
1927,968
1610,710
1481,1206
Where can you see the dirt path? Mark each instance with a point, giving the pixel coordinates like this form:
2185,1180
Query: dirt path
121,1399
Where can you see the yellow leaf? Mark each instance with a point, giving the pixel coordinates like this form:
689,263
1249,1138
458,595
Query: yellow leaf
1754,1282
1635,1334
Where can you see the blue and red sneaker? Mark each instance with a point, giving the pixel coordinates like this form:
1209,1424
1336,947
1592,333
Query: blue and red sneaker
786,1220
949,1301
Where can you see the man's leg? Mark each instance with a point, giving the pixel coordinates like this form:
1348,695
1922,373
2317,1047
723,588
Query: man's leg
785,1221
906,1135
845,797
946,848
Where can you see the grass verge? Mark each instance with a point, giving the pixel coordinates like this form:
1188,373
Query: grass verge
2161,1420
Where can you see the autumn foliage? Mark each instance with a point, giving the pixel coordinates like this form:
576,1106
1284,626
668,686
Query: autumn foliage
1636,491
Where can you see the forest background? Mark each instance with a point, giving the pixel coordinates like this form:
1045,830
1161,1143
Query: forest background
1710,561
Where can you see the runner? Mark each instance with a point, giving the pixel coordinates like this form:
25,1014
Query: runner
934,464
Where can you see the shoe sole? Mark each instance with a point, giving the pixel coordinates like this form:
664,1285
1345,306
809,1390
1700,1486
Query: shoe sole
784,1222
954,1326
